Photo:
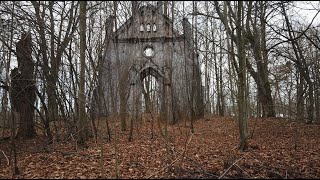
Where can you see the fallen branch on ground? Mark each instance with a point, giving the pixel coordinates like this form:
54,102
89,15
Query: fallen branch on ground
6,157
230,167
173,160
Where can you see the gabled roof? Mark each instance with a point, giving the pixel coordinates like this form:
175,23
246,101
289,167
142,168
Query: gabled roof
147,7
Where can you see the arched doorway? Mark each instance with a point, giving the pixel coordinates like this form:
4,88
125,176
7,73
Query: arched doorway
146,91
151,91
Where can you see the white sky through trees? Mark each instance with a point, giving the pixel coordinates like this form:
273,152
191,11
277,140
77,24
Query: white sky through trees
302,12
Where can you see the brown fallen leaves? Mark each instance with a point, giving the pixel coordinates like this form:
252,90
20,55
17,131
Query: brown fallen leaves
278,149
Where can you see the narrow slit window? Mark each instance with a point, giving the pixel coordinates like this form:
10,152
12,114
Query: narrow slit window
148,27
141,28
154,27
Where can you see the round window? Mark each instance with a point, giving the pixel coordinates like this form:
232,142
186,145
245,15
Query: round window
148,51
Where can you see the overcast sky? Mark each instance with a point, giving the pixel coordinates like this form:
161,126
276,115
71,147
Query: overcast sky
306,10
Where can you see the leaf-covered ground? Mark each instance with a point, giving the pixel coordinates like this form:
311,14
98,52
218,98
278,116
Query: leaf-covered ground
278,149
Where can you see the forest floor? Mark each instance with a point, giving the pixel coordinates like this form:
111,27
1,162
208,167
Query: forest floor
277,149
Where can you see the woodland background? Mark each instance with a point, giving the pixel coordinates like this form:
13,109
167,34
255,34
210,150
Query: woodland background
261,87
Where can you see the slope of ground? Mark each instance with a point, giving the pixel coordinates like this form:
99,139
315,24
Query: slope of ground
278,149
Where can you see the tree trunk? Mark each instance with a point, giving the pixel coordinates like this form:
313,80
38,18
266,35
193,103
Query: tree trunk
207,73
220,81
317,88
237,16
199,104
82,126
123,78
317,104
146,93
257,40
300,99
231,58
242,105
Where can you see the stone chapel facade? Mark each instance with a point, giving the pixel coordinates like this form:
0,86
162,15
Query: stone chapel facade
148,44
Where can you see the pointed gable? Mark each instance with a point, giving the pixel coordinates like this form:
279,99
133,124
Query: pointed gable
147,22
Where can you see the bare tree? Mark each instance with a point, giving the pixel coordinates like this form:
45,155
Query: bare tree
255,33
236,15
52,53
301,63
